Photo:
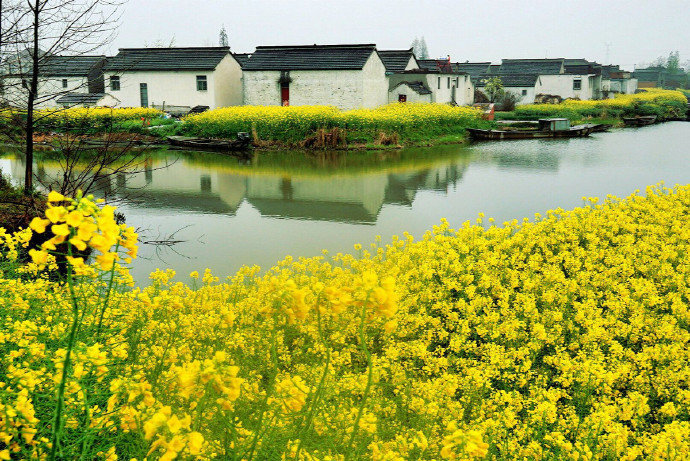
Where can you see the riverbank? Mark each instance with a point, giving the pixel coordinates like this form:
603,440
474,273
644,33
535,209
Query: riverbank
531,340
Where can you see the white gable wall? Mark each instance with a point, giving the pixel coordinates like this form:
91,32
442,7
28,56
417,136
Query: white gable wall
49,90
412,96
179,88
346,89
562,85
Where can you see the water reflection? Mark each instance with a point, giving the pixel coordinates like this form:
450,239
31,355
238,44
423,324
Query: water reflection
230,213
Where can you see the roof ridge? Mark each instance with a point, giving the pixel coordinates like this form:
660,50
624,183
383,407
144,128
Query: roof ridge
177,48
354,45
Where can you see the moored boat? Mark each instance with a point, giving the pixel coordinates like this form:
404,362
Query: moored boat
218,145
548,128
640,120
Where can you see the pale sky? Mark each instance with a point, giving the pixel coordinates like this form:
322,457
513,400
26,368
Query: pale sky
637,31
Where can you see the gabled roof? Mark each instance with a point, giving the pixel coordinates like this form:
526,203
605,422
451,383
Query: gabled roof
509,80
607,70
69,66
86,99
59,66
310,57
152,59
475,69
242,58
417,87
532,66
396,60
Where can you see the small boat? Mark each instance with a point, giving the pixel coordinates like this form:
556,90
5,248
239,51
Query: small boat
599,127
242,142
548,128
640,120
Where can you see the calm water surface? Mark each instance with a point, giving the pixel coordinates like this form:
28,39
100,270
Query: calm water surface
228,213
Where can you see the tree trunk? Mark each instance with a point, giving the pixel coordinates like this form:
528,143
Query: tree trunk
33,90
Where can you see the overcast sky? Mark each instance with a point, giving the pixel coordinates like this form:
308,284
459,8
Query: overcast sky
636,31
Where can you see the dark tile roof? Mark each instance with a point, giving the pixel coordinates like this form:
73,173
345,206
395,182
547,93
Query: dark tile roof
86,99
509,80
441,65
475,69
581,67
396,60
310,57
242,58
151,59
417,87
531,66
607,70
61,66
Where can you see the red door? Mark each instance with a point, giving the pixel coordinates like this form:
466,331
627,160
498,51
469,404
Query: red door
285,95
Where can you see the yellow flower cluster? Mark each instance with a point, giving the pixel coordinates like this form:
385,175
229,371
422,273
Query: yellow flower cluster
94,116
562,338
666,103
295,122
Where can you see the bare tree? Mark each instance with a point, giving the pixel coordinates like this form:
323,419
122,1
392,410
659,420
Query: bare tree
41,29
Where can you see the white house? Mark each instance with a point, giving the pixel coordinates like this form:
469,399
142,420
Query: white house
179,78
432,86
567,78
344,76
616,81
398,60
58,76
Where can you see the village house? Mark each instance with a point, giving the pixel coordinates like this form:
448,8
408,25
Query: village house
175,78
660,77
60,76
344,76
435,81
398,60
616,81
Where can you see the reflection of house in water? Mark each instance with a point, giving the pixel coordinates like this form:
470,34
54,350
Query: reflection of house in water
356,199
185,187
403,187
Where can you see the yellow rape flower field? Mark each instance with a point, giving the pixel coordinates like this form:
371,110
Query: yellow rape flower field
562,338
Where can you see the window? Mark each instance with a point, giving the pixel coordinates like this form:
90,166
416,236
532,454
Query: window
201,83
448,82
439,83
115,83
577,84
457,82
402,98
64,83
524,92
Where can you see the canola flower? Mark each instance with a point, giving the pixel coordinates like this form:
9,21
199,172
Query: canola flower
297,122
652,101
562,338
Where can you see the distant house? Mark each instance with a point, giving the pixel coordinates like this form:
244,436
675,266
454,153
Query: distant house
431,86
179,78
660,77
567,78
344,76
474,69
435,81
58,76
242,58
614,81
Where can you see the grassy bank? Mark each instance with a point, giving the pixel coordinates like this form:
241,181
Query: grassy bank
563,338
665,104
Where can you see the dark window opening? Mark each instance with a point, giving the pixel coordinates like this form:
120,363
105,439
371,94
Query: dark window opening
402,98
201,83
448,82
115,83
439,83
524,92
577,84
64,83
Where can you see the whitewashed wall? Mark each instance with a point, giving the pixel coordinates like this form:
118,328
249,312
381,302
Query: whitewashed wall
49,90
412,96
562,85
179,88
346,89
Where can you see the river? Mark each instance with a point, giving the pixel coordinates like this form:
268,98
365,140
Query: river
226,213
